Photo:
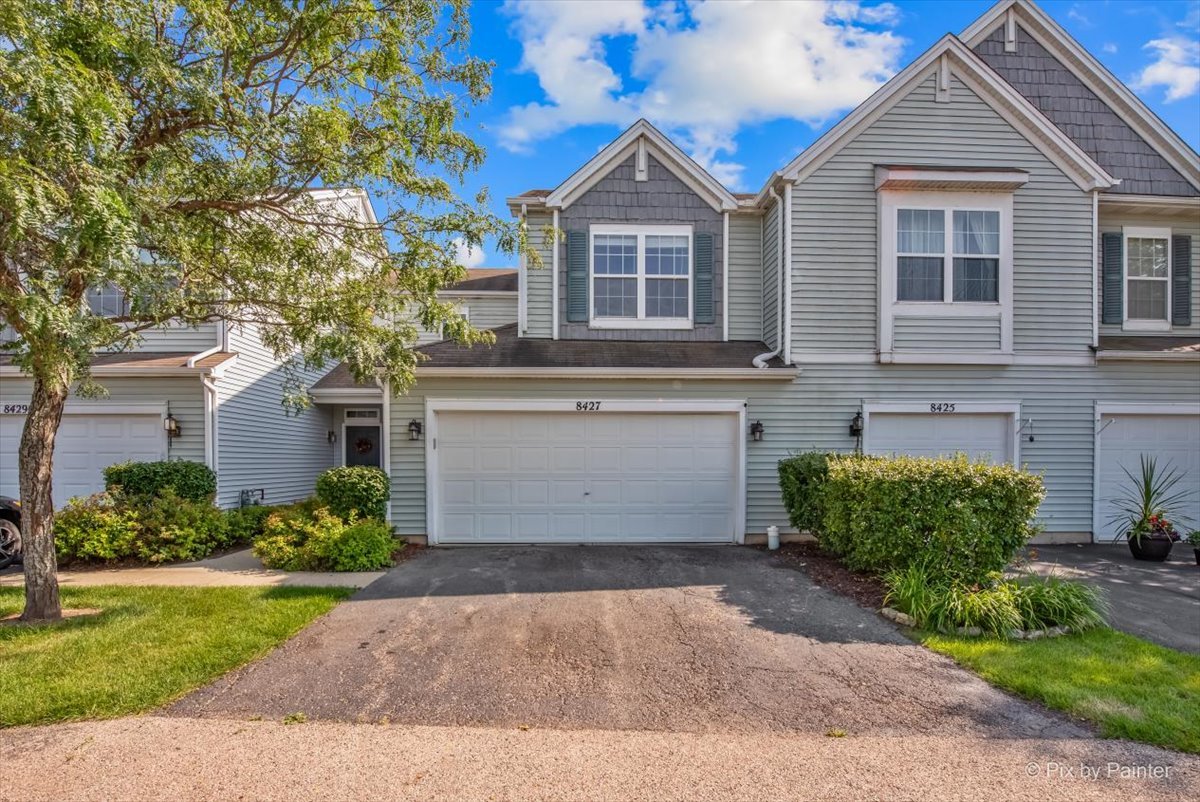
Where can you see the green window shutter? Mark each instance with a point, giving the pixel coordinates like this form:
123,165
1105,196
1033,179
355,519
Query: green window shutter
1112,283
577,277
702,291
1181,280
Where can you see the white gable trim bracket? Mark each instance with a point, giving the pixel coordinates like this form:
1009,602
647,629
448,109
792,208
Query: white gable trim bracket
951,54
640,140
1094,75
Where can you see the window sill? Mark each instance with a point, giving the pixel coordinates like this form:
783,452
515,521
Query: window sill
1145,325
944,309
634,323
945,358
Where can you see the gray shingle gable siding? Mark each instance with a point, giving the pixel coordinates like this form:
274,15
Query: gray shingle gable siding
1082,115
661,199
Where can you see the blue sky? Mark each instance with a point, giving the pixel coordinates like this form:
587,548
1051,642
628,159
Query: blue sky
745,87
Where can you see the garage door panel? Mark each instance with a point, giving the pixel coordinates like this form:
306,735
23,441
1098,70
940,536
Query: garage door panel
86,444
629,477
1174,440
982,435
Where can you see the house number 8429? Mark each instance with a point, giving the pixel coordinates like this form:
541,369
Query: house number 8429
587,406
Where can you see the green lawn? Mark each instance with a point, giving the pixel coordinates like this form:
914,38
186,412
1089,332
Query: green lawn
1128,687
151,645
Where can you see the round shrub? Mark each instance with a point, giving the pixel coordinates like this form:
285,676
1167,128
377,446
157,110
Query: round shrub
95,529
193,481
303,538
244,524
802,481
175,528
354,491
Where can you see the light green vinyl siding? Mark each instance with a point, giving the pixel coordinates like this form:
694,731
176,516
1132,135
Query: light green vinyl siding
173,337
813,412
770,277
930,334
1188,225
539,280
184,396
745,277
261,445
489,312
835,246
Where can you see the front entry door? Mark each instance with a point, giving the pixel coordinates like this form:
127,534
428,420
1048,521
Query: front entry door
362,446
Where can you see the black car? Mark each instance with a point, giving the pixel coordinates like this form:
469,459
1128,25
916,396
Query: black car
10,531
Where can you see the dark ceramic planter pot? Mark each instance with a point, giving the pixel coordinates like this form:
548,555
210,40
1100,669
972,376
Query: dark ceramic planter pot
1153,549
1197,553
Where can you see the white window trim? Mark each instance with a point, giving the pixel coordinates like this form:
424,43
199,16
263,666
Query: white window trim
1011,409
890,202
641,321
735,407
1142,232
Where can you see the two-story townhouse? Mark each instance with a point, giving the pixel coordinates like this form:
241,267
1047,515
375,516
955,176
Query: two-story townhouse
995,254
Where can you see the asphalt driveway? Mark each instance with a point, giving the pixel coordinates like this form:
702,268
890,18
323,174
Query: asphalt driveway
699,639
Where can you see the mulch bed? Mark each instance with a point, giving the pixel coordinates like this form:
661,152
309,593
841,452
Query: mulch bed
409,551
865,589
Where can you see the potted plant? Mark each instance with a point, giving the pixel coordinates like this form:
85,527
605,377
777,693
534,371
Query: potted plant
1193,539
1144,509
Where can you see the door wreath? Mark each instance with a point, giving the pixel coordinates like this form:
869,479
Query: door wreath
363,446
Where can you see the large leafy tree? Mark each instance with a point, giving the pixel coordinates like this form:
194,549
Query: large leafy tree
168,150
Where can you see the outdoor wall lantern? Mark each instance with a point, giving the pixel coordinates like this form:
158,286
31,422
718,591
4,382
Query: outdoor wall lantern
331,436
414,429
756,431
171,425
856,425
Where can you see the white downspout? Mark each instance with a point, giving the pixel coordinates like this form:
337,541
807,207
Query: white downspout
522,267
554,280
386,438
211,407
761,360
725,277
787,274
1095,267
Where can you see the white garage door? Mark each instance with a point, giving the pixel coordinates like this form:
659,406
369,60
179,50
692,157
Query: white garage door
1173,439
980,435
85,446
553,477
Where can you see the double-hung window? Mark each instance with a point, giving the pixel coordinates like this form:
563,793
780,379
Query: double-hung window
1147,278
641,276
107,301
947,255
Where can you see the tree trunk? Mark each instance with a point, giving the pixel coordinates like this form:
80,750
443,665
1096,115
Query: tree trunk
37,502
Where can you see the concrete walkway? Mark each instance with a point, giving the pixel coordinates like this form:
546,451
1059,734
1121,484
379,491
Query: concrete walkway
154,758
1156,601
235,568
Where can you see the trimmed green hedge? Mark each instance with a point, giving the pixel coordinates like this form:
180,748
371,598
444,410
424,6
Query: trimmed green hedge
961,519
354,491
801,480
192,481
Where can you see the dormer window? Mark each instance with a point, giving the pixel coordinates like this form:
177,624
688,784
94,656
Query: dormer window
961,268
641,276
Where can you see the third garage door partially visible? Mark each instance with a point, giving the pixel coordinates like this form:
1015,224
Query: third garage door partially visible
553,477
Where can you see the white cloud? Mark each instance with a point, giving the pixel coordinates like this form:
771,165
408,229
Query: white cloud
466,255
1076,14
703,75
1176,67
1110,47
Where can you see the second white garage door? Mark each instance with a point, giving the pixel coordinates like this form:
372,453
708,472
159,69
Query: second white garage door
980,435
555,477
84,447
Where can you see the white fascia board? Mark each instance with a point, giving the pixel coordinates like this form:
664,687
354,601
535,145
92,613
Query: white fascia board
695,374
980,78
1146,409
12,371
624,146
1147,356
478,293
347,395
1095,76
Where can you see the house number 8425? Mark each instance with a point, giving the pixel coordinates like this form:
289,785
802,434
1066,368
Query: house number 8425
941,407
587,406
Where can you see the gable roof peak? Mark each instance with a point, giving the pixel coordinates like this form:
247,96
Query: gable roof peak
639,138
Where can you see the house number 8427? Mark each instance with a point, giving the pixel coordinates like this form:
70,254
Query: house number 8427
587,406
